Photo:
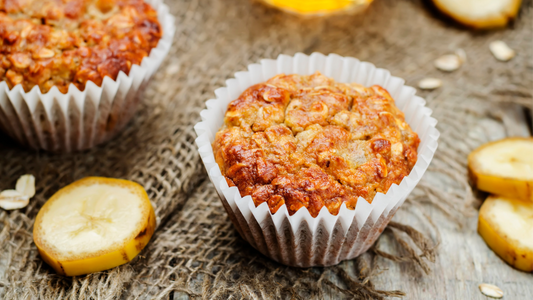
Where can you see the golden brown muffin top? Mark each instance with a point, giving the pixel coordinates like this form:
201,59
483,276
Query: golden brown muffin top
50,43
308,141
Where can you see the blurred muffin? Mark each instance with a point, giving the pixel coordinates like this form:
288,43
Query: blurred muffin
308,141
48,43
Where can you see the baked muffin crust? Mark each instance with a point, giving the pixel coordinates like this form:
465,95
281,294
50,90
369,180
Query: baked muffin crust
50,43
308,141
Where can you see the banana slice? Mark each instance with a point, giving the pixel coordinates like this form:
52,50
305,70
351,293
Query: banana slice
480,14
504,167
506,225
94,224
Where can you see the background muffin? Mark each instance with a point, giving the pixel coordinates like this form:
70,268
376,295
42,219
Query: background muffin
48,43
61,85
308,141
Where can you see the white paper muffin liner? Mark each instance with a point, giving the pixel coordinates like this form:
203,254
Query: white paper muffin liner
301,240
78,119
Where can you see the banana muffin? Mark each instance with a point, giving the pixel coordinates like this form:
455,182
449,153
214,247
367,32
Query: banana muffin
308,141
49,43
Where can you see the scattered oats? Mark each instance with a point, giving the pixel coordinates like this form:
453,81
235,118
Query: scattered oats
429,83
20,196
501,51
461,54
490,290
12,199
172,69
448,62
26,185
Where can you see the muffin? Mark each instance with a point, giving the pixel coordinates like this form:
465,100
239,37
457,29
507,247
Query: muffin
48,43
308,141
72,71
311,168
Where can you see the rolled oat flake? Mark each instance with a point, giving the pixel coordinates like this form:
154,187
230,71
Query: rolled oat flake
501,51
490,290
429,83
448,62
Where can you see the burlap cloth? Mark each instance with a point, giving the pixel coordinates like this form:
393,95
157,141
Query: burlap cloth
195,250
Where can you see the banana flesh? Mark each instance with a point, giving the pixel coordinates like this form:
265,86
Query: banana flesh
504,167
480,14
94,224
506,225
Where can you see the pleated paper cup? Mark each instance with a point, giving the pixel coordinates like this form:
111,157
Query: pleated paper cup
79,120
301,240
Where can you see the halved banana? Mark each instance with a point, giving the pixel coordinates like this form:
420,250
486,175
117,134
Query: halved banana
310,7
94,224
480,14
506,225
504,167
